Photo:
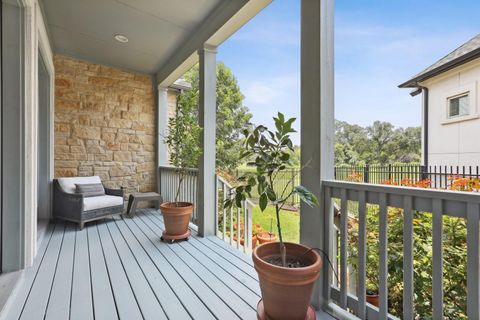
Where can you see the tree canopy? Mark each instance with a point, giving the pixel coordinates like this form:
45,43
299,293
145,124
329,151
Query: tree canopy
232,115
379,143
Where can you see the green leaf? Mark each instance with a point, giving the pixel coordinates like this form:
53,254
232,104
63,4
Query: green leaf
263,202
271,194
306,196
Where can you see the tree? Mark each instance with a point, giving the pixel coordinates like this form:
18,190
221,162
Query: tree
380,143
232,115
271,153
183,137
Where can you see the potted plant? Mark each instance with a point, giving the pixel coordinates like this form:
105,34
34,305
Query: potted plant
287,271
183,136
372,295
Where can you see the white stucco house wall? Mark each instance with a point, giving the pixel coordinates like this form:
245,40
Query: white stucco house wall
451,122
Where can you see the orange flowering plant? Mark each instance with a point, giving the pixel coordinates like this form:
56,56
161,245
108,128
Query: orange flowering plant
468,184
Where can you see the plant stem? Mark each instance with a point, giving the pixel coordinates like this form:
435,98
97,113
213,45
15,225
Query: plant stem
180,180
283,250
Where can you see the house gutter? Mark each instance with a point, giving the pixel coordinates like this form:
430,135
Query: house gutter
424,91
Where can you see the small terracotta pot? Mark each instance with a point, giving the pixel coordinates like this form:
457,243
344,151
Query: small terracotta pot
286,292
373,299
176,216
266,237
242,241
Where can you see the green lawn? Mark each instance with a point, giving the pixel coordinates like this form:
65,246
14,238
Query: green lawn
290,222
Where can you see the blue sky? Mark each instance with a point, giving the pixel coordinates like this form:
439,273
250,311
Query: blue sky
378,45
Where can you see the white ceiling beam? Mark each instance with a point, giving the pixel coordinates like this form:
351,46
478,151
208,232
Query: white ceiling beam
225,20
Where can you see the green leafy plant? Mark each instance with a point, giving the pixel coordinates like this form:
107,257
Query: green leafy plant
183,139
270,152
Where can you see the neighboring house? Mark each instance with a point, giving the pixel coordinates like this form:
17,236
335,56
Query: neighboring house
451,123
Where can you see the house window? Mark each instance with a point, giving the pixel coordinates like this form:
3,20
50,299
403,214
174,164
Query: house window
458,106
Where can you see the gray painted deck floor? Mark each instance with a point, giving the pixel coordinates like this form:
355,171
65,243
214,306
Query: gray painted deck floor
119,269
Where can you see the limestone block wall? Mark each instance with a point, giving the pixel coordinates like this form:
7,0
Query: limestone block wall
105,124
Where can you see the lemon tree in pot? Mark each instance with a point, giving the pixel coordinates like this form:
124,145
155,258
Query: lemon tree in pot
182,139
287,271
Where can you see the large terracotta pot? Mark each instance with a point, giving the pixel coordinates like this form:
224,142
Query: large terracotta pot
176,216
286,292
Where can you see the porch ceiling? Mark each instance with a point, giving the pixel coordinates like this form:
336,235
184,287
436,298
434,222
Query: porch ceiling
156,29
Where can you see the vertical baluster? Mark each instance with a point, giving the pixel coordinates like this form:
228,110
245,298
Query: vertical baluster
408,259
329,243
231,220
248,226
437,233
217,213
245,226
383,254
362,255
238,228
343,249
224,229
473,265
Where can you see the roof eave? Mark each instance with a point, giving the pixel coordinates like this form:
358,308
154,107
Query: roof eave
414,82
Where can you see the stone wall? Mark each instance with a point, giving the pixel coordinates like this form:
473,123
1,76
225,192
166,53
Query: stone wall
105,124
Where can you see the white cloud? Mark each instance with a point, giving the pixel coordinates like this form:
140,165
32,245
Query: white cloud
271,33
268,91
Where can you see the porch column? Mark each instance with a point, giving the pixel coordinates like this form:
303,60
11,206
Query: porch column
162,158
317,127
207,119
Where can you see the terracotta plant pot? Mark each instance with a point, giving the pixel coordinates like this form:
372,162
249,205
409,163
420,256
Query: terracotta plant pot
373,299
266,237
286,292
242,241
176,217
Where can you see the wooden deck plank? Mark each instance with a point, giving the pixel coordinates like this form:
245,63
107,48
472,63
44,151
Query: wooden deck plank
164,293
37,300
15,309
127,304
225,293
81,305
103,301
119,269
146,299
215,242
190,300
230,259
208,296
246,277
249,296
62,284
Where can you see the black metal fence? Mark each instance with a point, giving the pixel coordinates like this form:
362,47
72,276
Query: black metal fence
440,176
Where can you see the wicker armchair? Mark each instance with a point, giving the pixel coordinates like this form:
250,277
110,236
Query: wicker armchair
75,207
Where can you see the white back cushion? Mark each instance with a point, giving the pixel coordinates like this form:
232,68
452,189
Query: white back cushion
68,184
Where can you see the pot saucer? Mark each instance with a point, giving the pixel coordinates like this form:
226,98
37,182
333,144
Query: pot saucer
261,315
172,238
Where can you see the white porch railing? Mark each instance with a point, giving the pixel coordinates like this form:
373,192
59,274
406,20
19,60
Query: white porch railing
437,202
233,225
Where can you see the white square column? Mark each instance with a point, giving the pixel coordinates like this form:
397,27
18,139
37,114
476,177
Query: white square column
317,128
162,123
207,119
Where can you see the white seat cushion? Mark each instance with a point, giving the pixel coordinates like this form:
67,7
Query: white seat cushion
93,203
68,184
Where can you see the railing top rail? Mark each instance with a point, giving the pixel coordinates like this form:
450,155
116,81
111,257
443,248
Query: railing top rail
471,197
229,186
172,168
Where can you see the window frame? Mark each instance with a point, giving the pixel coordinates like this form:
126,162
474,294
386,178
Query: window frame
458,96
